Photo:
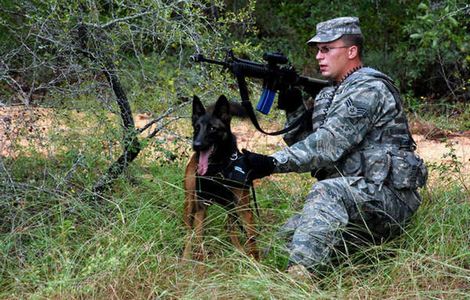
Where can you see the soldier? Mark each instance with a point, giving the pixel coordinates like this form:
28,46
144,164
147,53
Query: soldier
358,146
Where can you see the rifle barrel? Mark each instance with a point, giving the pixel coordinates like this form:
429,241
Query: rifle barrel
247,68
202,58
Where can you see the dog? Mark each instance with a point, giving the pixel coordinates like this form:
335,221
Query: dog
205,180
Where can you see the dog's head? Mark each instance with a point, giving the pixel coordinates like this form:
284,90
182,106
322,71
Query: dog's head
211,126
211,129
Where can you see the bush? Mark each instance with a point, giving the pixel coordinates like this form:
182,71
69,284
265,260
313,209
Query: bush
423,46
435,56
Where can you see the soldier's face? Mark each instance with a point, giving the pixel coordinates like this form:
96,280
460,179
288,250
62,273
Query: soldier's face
333,59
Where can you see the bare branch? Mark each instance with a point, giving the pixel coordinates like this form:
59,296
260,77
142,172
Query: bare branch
161,127
120,20
163,115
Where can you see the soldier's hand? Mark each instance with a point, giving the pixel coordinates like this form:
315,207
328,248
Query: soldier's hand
259,165
289,99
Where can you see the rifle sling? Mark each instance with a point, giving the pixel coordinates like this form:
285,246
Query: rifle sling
251,113
249,109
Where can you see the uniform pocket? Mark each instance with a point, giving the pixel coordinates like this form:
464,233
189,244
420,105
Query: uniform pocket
376,163
352,165
408,170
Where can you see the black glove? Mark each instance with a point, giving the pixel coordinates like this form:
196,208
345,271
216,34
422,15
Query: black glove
289,99
259,165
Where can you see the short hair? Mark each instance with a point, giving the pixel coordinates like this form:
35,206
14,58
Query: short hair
354,40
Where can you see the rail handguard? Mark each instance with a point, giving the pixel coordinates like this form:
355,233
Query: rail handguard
276,73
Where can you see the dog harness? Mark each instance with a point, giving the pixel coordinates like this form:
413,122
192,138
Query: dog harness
222,179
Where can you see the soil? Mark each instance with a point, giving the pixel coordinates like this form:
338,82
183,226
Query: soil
33,124
430,149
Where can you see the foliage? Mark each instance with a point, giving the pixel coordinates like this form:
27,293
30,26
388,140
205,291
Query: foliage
149,42
56,243
424,46
437,53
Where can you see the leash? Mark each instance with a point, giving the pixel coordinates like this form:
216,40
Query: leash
254,199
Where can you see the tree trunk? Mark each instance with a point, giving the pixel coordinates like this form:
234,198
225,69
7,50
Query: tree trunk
130,140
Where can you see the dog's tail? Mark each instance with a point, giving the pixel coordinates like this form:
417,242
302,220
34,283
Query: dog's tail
237,110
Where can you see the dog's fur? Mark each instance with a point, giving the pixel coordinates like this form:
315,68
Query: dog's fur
214,144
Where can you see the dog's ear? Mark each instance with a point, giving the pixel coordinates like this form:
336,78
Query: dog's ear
222,109
198,109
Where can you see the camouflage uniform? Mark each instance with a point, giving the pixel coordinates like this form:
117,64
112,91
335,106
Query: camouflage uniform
361,143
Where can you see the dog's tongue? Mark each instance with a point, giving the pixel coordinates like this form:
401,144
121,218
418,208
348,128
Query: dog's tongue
203,161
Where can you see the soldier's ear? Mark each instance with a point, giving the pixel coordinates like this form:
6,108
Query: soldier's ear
353,52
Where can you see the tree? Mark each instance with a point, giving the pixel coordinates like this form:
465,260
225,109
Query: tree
62,50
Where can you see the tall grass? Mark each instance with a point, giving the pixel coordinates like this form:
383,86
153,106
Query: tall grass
61,244
58,242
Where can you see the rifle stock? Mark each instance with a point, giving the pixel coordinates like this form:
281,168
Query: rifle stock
276,74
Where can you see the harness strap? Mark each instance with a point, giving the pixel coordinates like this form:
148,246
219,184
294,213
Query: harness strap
396,95
224,174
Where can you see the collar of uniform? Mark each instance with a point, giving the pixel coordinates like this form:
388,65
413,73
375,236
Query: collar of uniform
348,74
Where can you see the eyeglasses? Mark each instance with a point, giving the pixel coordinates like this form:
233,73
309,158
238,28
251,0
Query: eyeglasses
326,49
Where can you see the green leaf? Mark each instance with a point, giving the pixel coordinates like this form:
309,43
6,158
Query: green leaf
416,36
422,6
453,21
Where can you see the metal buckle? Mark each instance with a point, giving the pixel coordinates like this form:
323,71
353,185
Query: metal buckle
234,156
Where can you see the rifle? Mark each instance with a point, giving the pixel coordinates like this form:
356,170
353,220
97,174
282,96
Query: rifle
277,74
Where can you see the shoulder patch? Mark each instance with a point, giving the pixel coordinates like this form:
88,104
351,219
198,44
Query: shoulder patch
355,110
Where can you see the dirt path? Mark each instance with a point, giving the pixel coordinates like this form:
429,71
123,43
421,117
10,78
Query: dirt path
430,150
33,125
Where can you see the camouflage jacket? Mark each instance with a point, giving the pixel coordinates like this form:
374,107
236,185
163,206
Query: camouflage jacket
358,129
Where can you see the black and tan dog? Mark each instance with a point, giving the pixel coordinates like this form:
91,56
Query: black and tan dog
209,178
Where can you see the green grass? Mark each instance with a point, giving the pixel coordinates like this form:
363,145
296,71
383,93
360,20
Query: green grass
453,117
58,243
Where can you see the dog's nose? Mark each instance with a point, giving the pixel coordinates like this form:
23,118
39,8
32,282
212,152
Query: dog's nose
197,145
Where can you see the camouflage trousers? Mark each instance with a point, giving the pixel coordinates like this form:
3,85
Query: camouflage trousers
342,211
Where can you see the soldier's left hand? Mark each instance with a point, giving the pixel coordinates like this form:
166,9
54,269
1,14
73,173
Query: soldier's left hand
259,165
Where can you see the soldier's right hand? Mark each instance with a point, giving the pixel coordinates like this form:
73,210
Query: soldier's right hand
289,99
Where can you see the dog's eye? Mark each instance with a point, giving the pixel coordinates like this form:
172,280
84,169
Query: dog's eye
212,128
197,127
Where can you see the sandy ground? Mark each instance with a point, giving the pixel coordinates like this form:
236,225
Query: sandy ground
431,150
31,126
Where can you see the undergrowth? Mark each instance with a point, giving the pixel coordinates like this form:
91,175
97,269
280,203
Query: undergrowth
59,242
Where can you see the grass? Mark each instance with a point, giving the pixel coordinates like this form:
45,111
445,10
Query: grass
452,117
56,242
